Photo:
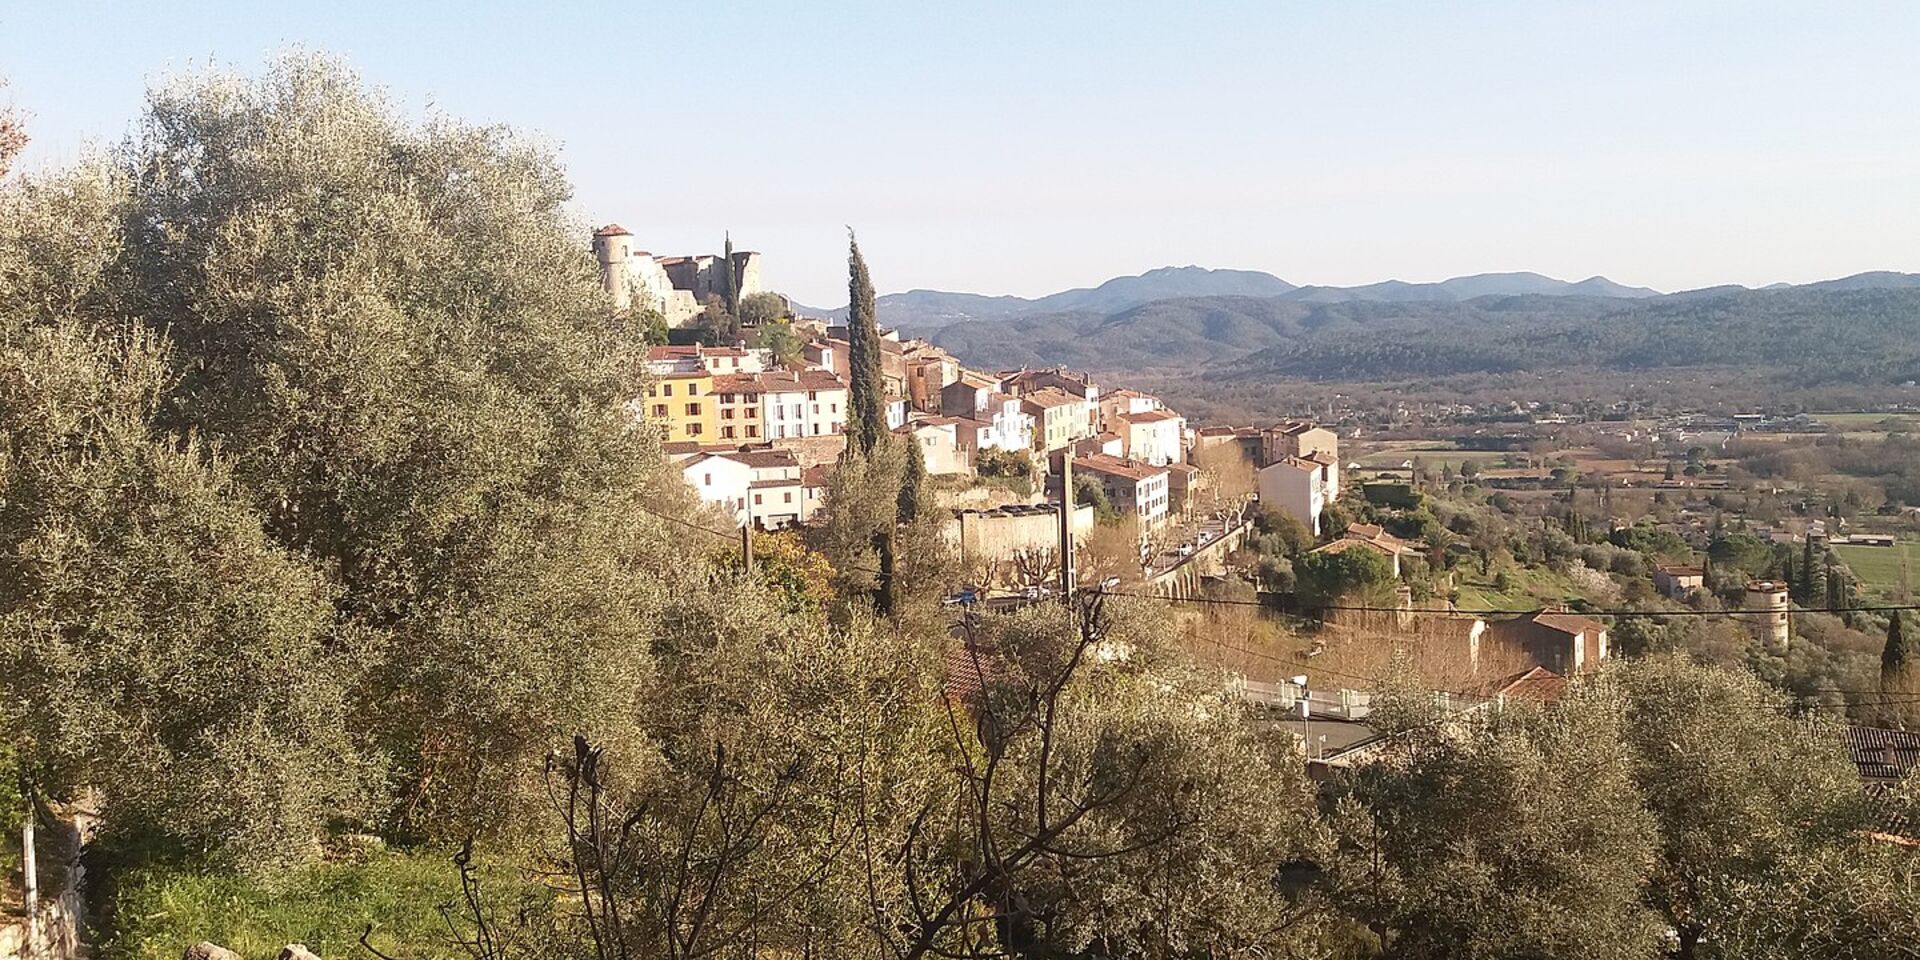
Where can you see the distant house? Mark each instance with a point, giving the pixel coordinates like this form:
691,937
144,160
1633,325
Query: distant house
967,394
806,403
1677,581
688,358
1299,488
776,495
1152,436
1565,643
1059,418
1297,438
1532,685
720,480
939,441
1366,536
1141,489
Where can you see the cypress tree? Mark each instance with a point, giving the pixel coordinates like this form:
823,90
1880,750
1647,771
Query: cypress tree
866,403
907,507
730,290
1900,653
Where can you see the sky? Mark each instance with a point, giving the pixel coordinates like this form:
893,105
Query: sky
1029,147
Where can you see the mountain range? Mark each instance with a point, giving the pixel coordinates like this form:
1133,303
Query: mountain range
920,311
923,312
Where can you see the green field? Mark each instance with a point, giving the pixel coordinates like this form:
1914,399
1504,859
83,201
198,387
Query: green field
1878,568
1858,421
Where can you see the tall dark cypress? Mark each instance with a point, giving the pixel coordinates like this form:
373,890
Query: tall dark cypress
907,507
1900,653
730,289
866,402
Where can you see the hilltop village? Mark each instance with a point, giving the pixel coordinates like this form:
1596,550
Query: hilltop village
1159,505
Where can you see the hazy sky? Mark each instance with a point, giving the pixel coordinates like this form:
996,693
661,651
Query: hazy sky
1027,147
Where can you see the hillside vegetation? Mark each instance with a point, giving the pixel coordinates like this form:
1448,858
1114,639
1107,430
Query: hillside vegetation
1814,336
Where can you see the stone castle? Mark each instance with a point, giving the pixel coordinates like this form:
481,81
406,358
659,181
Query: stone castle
675,287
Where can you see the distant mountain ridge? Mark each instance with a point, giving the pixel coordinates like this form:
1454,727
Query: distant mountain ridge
922,312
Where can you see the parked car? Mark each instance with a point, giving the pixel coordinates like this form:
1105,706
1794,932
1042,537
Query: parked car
965,598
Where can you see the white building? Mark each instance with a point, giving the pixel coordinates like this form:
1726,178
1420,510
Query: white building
1300,488
720,480
807,403
1151,436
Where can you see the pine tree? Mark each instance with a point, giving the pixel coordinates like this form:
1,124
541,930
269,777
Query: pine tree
866,403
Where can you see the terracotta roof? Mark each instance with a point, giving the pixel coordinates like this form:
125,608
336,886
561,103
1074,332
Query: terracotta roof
967,671
1295,463
1354,543
817,475
764,459
1365,531
1216,431
611,230
1538,684
737,383
1567,623
1131,469
779,482
1883,754
1149,416
976,380
788,380
1052,397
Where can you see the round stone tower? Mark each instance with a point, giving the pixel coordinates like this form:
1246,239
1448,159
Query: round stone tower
1771,619
613,247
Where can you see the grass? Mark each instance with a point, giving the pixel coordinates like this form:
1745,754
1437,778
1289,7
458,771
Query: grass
1878,568
157,911
1528,588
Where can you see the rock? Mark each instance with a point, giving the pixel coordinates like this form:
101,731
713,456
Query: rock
205,950
296,951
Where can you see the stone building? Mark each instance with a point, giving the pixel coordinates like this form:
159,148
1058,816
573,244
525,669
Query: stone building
1771,619
675,287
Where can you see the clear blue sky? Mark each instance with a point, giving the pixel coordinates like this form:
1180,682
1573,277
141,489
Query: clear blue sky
1026,147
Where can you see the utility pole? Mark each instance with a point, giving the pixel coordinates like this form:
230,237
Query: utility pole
1066,525
746,546
30,871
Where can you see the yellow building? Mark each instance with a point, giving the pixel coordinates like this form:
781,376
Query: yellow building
683,403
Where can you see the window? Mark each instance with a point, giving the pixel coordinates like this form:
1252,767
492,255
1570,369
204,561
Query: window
788,497
693,389
752,431
756,499
693,409
726,398
693,430
816,408
726,413
666,390
816,429
833,408
813,395
726,433
709,479
660,410
752,412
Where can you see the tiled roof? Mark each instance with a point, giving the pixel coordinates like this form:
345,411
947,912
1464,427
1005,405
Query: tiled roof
1538,684
1052,397
775,482
611,230
789,381
1130,469
737,383
764,459
1883,754
1567,623
1150,416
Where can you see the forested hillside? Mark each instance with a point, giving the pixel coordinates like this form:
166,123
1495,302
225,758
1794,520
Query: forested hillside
1815,336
